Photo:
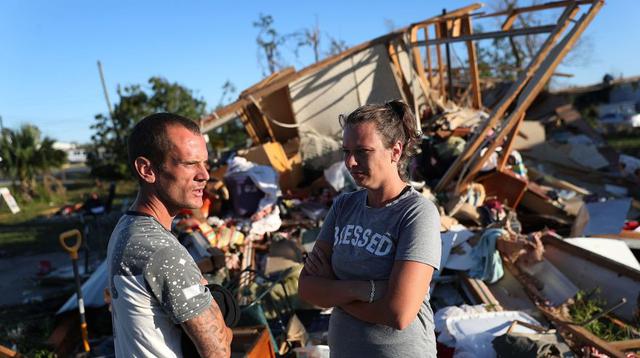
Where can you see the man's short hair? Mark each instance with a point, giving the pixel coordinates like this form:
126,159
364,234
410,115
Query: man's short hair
149,137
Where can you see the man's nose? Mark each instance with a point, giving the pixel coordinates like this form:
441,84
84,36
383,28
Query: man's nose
203,173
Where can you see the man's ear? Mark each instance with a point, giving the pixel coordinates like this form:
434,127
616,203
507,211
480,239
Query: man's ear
144,169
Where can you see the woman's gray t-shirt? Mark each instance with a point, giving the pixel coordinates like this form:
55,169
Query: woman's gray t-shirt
366,243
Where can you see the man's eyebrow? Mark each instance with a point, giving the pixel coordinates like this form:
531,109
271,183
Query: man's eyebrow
358,147
191,161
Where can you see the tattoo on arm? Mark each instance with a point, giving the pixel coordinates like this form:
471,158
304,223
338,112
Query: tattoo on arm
209,333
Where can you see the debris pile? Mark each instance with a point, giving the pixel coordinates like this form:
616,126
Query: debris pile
539,215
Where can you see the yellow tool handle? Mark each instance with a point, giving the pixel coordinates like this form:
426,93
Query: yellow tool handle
85,337
72,249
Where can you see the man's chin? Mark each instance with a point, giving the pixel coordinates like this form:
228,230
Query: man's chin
191,205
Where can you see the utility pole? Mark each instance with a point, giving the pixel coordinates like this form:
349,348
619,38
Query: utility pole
106,97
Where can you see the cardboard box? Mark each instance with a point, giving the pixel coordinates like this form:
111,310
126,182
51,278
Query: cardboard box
271,154
287,163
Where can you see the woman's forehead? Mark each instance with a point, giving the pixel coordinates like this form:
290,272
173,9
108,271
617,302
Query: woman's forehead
361,135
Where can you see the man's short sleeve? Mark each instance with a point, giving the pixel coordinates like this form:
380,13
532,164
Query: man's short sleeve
420,235
175,281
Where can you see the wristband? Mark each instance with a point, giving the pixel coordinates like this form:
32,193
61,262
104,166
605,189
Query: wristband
372,293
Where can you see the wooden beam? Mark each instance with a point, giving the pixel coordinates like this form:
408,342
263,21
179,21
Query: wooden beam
580,335
626,345
450,14
248,126
584,336
417,60
264,118
480,291
441,83
9,353
508,23
398,75
473,65
508,146
506,101
545,6
287,78
488,35
536,84
428,54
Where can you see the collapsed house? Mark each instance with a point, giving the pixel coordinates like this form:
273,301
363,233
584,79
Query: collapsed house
513,168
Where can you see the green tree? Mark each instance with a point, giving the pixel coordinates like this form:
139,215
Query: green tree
229,135
107,155
24,155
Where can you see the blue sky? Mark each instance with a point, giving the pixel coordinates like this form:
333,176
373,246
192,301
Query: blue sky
49,77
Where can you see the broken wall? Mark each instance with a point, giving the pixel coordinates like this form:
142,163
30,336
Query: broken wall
319,98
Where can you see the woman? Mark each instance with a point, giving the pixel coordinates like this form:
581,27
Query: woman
378,247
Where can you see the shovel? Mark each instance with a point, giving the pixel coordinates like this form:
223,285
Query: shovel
72,249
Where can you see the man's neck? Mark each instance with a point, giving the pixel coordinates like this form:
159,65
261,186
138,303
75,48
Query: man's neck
150,204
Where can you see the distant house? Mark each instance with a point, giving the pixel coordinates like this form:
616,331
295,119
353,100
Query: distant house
75,152
624,103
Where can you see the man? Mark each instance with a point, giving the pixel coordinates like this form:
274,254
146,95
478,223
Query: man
156,287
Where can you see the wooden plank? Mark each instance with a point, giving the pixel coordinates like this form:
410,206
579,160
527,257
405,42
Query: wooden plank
545,6
508,23
489,35
428,53
508,146
285,79
248,126
580,335
506,101
536,84
583,335
450,14
473,66
629,344
417,60
264,118
599,260
398,75
480,291
9,353
441,83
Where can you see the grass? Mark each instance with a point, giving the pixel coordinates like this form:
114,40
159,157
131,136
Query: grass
29,326
587,305
34,230
627,143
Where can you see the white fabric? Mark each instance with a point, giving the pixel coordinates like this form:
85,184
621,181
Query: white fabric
264,177
92,291
269,223
441,316
338,176
470,329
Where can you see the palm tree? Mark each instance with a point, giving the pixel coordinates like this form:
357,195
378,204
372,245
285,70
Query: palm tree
24,156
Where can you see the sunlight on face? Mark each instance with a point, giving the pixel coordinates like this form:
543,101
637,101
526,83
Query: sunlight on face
368,161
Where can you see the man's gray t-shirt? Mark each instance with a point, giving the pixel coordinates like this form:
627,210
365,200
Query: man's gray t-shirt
154,284
366,243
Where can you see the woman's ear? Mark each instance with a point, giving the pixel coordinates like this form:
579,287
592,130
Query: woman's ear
396,152
144,169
